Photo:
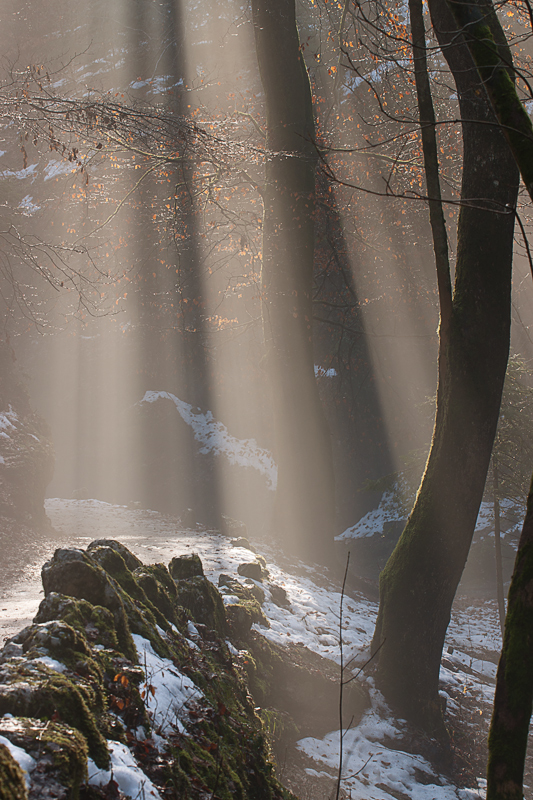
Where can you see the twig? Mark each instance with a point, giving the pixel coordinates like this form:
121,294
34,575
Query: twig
342,682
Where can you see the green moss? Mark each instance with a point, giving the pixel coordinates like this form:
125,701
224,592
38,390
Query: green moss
131,561
204,603
63,643
224,753
12,783
74,573
242,615
184,567
32,690
94,622
68,750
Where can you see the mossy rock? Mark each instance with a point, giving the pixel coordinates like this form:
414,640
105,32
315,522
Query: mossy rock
60,753
61,642
131,560
252,570
194,766
241,616
74,573
247,612
201,599
184,567
158,586
97,598
143,617
247,591
114,564
12,783
96,623
31,689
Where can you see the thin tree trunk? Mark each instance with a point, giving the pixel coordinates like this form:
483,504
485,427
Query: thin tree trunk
426,113
304,505
498,542
418,584
513,700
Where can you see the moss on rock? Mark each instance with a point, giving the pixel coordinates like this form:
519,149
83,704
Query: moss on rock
12,783
242,615
31,689
94,601
94,622
131,560
74,573
183,567
60,753
159,587
200,598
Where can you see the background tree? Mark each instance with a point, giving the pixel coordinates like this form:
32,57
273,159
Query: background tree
513,700
304,512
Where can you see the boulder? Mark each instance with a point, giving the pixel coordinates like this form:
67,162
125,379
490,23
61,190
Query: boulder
183,567
247,611
251,569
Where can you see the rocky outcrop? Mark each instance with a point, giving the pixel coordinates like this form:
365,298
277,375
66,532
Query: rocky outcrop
137,680
125,660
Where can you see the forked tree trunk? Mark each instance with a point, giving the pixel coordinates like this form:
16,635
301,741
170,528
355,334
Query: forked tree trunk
305,495
418,584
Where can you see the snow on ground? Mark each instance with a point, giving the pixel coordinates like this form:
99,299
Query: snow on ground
374,521
125,771
214,437
166,690
390,510
374,771
8,420
375,767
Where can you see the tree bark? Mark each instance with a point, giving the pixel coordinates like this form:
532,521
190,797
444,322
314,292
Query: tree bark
426,113
304,506
418,584
514,681
484,35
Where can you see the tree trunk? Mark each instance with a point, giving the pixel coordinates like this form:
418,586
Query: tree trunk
304,507
498,542
514,681
484,39
418,584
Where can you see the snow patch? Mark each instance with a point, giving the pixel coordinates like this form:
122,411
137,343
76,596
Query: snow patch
166,690
27,205
215,438
55,168
124,770
374,522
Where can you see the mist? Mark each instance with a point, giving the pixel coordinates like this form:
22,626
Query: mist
220,304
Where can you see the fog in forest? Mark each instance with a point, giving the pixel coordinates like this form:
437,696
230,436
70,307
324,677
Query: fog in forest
220,298
145,249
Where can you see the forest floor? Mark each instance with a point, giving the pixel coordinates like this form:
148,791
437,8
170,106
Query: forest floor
382,757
